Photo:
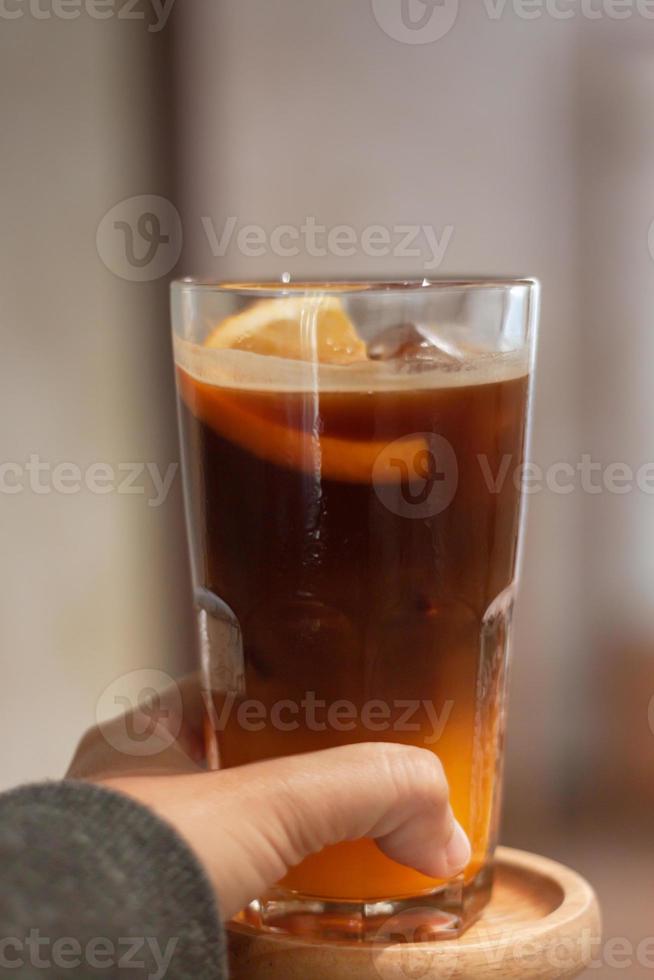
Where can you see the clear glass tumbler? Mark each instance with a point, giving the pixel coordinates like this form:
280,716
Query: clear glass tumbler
352,456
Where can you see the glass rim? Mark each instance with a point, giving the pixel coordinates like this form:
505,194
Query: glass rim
268,288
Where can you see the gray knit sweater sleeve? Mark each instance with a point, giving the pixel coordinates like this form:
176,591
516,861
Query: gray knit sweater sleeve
93,884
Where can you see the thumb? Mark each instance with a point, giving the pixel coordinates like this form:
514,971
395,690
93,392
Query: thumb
249,825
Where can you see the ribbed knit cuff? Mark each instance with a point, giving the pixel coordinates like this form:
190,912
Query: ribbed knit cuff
83,863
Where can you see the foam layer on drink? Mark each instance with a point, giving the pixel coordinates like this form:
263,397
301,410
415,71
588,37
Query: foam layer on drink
239,369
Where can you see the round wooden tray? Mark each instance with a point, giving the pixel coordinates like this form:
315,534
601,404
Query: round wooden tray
542,922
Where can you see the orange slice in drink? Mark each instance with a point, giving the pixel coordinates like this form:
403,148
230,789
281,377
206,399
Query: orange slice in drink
319,455
299,328
302,328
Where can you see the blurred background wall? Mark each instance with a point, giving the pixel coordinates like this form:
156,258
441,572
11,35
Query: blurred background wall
91,584
531,140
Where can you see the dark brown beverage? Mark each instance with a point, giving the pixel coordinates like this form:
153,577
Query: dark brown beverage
361,574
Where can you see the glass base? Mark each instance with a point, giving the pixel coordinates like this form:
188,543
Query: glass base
442,914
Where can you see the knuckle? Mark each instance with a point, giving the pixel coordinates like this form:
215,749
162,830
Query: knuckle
416,771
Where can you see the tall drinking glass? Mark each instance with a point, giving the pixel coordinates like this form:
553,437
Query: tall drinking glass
352,456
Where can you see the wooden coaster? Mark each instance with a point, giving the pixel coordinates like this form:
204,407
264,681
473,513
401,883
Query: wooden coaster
543,922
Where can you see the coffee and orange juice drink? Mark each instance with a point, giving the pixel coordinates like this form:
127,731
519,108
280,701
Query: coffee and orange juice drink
354,516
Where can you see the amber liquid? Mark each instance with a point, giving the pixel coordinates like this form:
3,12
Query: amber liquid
343,599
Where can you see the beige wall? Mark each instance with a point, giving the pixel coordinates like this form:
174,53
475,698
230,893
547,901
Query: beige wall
90,585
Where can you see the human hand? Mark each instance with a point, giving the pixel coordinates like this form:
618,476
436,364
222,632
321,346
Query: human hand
250,825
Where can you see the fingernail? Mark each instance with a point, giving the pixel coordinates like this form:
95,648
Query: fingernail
458,851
